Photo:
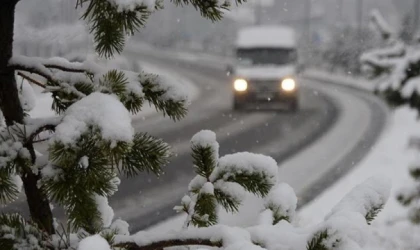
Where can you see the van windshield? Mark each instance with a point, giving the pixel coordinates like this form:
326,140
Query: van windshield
266,56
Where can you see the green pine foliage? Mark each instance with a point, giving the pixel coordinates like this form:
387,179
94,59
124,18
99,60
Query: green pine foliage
80,175
77,174
17,233
110,24
372,213
207,191
318,241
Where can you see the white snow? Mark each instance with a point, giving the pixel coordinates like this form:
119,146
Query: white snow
245,162
389,158
174,90
196,183
9,148
206,138
95,242
232,189
84,162
266,37
411,86
372,193
207,188
31,63
17,181
379,20
283,200
106,212
27,95
120,226
97,109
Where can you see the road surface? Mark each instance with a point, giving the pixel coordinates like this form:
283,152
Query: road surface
325,109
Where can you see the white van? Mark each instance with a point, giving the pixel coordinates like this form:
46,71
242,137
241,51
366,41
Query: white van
265,67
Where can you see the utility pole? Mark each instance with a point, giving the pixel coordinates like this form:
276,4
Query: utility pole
307,19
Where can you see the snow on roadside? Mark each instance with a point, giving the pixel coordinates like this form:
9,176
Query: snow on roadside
390,157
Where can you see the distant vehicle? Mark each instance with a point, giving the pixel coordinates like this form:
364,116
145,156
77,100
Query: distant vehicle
265,67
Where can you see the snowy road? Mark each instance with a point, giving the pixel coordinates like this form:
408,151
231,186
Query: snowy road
344,115
352,119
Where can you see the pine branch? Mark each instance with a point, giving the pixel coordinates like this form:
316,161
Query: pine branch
175,109
8,189
44,64
47,74
317,241
46,127
146,154
109,24
31,80
129,93
17,233
255,182
230,204
278,215
203,160
211,9
372,213
205,210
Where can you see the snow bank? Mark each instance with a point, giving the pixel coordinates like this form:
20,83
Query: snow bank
97,109
390,158
372,193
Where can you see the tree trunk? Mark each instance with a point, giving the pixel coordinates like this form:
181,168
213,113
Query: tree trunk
10,105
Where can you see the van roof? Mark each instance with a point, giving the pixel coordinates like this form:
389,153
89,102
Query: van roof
266,37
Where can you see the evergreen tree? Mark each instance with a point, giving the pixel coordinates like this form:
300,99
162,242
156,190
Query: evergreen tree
93,143
396,63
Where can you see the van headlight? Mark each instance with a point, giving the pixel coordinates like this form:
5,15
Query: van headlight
288,84
240,85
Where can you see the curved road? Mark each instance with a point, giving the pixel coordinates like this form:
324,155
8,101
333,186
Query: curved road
351,119
325,108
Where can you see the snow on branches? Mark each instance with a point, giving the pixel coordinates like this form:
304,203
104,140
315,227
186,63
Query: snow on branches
110,21
69,82
346,227
396,64
223,181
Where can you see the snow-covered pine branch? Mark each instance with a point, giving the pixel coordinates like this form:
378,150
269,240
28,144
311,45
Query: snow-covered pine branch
71,81
346,227
111,21
397,65
381,25
223,181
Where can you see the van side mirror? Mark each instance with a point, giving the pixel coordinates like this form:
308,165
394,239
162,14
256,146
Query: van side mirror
229,70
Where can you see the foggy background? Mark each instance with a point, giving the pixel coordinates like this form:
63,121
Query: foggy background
52,27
